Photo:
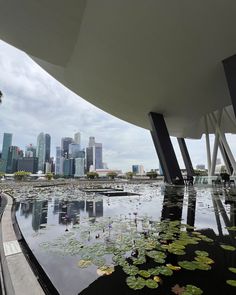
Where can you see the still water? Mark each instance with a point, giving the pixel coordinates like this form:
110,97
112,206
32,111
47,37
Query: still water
157,241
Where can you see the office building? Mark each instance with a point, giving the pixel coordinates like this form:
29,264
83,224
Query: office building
79,167
138,169
7,142
65,142
69,167
47,147
28,164
30,151
74,150
40,151
94,155
77,138
14,154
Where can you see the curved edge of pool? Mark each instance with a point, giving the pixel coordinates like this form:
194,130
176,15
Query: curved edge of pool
18,276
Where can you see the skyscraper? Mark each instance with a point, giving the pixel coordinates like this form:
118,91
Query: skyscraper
14,154
7,142
94,154
74,150
58,169
41,151
47,147
30,151
65,141
77,138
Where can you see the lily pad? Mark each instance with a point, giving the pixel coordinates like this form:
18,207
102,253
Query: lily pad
233,269
144,273
189,265
84,263
105,270
228,247
204,259
131,270
164,270
231,283
201,253
173,267
135,283
152,284
192,290
157,279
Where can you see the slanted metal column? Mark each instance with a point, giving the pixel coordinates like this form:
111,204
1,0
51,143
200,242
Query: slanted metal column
230,73
208,146
186,157
164,148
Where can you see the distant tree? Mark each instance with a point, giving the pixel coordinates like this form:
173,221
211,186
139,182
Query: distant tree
21,175
112,174
198,172
129,175
152,174
92,175
49,176
2,174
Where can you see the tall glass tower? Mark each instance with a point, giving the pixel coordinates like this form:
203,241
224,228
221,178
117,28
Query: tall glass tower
7,142
41,151
47,147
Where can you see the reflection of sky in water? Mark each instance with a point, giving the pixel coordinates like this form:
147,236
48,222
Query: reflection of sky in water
44,220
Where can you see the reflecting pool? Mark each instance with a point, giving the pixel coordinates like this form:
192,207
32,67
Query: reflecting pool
154,240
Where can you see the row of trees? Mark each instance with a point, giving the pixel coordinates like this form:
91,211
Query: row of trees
23,175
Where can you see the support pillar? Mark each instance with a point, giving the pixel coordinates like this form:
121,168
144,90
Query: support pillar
208,148
230,73
186,157
164,148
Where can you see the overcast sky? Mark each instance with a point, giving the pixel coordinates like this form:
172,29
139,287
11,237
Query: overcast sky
35,102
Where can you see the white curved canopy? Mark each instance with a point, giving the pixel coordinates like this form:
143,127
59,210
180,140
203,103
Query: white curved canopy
130,57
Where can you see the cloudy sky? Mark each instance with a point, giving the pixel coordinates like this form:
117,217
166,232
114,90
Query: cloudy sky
35,102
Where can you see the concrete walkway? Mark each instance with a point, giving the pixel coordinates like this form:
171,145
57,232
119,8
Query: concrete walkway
18,276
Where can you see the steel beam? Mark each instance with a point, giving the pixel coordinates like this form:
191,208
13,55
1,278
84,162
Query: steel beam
164,149
186,157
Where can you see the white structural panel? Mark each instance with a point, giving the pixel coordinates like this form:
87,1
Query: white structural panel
132,57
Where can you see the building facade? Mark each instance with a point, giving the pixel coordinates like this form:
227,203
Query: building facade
7,142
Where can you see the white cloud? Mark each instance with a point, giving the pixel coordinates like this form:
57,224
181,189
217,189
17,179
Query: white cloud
35,102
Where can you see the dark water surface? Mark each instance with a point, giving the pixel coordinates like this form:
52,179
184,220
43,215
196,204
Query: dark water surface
68,229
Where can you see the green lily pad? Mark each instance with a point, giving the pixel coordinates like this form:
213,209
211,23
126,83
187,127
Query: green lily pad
164,270
139,260
84,263
135,283
131,270
233,269
144,273
151,284
192,290
233,228
202,266
154,271
189,265
228,247
204,259
231,283
201,253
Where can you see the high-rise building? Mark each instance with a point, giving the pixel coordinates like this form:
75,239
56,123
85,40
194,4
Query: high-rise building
94,154
29,164
74,150
65,142
77,138
47,147
69,167
58,168
7,142
41,151
79,167
30,151
138,169
14,154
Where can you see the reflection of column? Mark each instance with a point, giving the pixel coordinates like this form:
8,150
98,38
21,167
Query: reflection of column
217,216
191,207
99,208
172,203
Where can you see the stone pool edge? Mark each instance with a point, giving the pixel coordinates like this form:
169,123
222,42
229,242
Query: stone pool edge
18,276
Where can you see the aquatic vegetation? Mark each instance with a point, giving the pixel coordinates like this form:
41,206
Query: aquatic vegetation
228,247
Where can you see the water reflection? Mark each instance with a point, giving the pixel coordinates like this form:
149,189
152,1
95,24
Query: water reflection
102,220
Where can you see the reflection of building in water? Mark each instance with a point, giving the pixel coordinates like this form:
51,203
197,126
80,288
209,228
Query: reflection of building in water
39,214
56,206
94,208
26,208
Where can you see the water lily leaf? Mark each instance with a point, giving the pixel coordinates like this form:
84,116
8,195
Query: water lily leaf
130,270
189,265
192,290
233,269
151,284
105,270
231,283
228,247
173,267
233,228
177,289
144,273
201,266
204,259
154,271
201,253
164,270
84,263
98,261
139,260
135,283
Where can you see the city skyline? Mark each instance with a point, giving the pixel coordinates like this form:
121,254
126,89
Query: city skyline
60,113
